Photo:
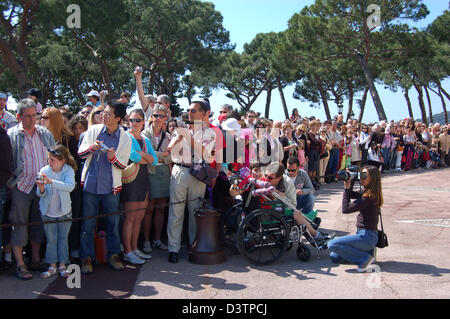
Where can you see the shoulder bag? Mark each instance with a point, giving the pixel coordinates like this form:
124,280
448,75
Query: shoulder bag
130,172
382,237
202,171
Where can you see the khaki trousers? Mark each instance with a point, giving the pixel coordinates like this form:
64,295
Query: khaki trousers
183,186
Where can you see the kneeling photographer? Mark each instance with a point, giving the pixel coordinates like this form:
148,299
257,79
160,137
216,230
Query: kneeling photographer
359,248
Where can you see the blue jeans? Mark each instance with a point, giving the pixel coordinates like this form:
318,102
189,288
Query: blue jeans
3,197
353,249
305,203
386,153
393,159
57,243
110,204
333,163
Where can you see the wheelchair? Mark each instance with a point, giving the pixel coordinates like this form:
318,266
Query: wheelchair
263,234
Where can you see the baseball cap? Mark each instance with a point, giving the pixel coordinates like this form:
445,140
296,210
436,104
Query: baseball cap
3,96
93,93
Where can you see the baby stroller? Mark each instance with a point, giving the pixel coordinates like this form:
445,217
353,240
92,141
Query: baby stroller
262,233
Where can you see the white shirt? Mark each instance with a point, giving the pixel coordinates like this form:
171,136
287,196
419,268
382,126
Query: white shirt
54,208
204,136
147,115
373,155
335,137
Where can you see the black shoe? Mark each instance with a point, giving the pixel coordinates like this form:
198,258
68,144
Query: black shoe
37,266
6,266
324,239
173,258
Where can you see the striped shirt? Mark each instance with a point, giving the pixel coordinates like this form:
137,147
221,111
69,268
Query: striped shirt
35,158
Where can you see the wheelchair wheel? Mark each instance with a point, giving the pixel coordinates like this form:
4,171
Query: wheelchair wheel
228,226
263,237
303,252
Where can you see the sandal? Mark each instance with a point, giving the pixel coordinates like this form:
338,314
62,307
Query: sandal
22,273
63,271
50,272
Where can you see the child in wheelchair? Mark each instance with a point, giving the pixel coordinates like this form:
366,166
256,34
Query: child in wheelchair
271,191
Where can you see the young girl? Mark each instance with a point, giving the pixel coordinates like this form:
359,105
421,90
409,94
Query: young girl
301,153
374,156
56,181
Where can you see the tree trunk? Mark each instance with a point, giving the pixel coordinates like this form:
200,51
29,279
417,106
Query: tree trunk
441,89
323,95
408,102
363,104
283,99
444,106
350,98
430,110
373,90
421,103
268,100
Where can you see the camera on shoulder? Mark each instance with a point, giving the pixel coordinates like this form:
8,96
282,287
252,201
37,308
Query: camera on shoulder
352,173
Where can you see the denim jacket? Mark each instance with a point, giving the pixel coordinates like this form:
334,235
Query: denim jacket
64,185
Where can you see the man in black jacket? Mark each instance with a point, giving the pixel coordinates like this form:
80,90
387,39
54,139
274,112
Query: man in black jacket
5,174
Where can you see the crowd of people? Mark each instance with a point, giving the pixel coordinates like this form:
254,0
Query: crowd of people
56,166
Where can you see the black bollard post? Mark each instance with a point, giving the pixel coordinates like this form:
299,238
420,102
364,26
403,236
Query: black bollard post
207,249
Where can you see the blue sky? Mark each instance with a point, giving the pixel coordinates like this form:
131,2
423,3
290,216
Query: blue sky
246,18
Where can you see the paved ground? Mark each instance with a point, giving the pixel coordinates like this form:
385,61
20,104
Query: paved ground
415,265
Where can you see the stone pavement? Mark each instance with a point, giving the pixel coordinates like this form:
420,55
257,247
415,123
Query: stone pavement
416,264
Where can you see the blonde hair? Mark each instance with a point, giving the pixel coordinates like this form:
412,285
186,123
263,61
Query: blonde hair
91,116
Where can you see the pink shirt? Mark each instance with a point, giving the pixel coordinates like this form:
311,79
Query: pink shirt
35,158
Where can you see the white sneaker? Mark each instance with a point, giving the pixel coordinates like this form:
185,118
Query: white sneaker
141,255
133,259
160,245
147,248
366,266
75,254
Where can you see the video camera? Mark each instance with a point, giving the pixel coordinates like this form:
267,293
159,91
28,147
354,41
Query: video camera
352,173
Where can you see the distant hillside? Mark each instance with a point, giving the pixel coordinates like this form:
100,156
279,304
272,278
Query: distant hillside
438,118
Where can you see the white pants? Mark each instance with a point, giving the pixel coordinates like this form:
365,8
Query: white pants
398,163
183,186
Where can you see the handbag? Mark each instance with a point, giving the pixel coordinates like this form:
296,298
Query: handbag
382,237
130,172
203,172
324,154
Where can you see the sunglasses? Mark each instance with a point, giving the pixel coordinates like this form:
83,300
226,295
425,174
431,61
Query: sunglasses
53,152
159,116
86,112
292,170
221,112
98,112
135,120
193,111
270,178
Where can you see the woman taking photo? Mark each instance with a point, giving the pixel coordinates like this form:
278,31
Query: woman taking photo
359,248
136,194
159,177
